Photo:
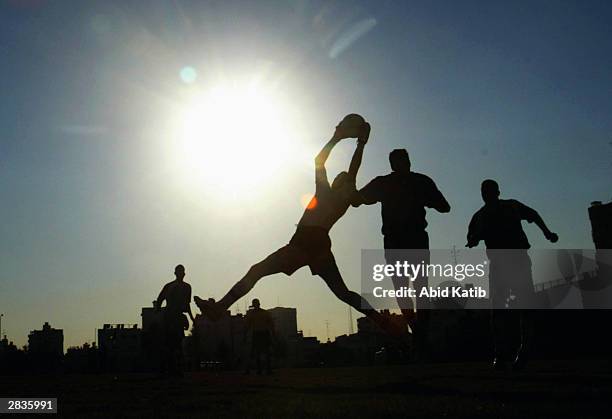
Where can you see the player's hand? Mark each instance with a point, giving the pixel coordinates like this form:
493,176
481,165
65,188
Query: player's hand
365,134
340,133
552,237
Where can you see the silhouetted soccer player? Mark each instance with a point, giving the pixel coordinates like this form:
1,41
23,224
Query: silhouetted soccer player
261,325
177,295
311,245
498,223
404,195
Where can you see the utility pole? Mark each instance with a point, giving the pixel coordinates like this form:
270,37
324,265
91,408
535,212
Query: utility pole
350,319
1,316
454,252
327,328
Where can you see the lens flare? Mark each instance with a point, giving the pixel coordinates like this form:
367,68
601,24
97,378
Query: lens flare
189,75
309,201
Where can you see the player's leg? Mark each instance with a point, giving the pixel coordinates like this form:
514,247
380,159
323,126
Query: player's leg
405,304
501,326
249,355
414,250
258,359
248,281
423,309
527,299
332,277
247,362
268,357
283,260
287,259
395,252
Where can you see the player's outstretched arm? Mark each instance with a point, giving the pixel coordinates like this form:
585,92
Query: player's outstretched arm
443,207
436,200
358,154
370,194
339,134
532,216
323,155
321,158
550,236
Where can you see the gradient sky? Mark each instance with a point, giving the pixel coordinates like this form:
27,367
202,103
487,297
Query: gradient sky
97,208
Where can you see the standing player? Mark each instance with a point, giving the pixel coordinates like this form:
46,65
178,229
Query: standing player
404,195
177,295
261,325
498,223
310,245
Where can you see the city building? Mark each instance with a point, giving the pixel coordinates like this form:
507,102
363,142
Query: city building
12,360
151,318
224,343
308,351
48,341
120,347
220,342
286,335
285,322
6,346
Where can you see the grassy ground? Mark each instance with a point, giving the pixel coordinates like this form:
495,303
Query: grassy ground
552,389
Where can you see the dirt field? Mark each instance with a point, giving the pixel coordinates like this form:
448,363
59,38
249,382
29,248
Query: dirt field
553,389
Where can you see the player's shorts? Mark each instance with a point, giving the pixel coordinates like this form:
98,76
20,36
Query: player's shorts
309,246
418,239
511,280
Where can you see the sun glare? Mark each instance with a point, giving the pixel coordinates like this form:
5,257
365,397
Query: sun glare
233,139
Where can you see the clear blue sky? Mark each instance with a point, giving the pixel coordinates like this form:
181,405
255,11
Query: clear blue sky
95,212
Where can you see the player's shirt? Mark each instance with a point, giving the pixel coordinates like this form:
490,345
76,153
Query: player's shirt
177,295
499,224
327,206
259,320
403,197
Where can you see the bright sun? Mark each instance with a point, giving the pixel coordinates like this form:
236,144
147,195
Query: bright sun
233,139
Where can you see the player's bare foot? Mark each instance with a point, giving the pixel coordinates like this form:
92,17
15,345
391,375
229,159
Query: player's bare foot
209,308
